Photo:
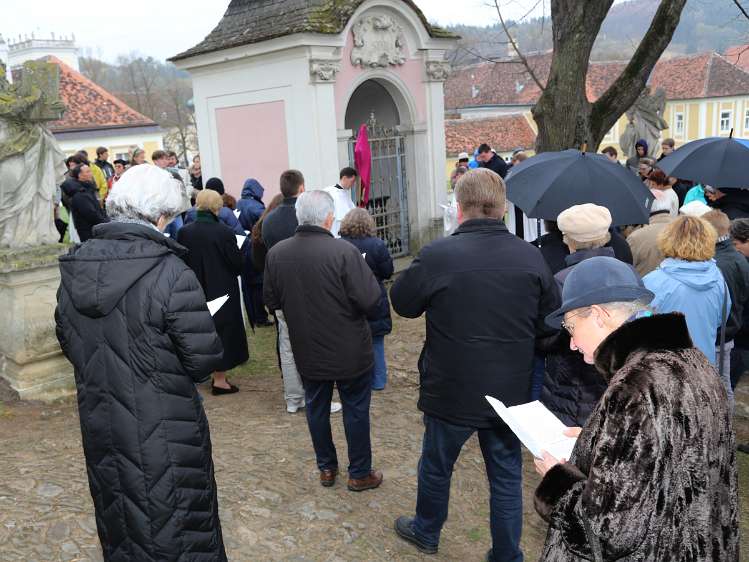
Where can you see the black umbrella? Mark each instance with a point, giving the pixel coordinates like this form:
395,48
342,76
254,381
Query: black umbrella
716,161
546,184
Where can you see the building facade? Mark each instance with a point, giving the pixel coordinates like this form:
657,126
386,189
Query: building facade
286,84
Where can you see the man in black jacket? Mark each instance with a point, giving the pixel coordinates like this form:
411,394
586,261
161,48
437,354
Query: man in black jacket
490,159
84,203
325,290
485,293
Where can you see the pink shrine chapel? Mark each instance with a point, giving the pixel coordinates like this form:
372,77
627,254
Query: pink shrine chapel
284,84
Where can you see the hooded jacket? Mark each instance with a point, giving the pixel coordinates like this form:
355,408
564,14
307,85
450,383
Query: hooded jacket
652,476
132,319
735,270
697,290
251,204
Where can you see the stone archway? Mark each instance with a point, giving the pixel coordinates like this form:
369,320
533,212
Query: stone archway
371,103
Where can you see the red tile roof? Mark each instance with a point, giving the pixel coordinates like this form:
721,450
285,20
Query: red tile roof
90,106
503,133
688,77
738,55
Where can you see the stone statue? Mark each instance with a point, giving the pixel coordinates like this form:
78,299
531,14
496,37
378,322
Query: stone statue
645,122
378,42
31,162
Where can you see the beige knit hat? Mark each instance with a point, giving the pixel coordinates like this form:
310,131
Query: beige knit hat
585,223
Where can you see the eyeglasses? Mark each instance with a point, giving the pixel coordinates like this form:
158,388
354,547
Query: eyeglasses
571,327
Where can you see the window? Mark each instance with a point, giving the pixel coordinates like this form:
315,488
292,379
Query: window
679,124
725,121
746,121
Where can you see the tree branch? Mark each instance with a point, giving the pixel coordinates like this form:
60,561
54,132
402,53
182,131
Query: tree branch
741,9
516,48
624,91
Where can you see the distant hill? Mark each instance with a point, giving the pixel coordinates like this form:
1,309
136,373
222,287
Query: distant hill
706,25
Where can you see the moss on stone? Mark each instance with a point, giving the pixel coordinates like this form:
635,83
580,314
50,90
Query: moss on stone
30,258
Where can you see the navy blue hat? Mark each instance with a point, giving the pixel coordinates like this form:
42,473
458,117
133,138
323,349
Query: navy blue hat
216,185
599,280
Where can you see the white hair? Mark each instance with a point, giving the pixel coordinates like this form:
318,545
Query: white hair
146,193
314,207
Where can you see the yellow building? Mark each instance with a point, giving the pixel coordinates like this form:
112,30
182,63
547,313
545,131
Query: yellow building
706,95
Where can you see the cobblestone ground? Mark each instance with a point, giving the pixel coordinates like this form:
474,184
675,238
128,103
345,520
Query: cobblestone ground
272,507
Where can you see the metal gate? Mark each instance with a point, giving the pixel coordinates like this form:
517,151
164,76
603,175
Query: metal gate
387,204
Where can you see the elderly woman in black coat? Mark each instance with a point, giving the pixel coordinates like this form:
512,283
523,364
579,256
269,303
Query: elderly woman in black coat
217,261
358,227
653,473
132,319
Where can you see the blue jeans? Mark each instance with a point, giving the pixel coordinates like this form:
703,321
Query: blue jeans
355,397
442,444
537,379
380,375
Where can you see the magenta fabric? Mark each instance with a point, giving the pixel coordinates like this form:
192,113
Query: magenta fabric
363,162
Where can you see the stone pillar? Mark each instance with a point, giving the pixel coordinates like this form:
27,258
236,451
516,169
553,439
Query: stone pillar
30,358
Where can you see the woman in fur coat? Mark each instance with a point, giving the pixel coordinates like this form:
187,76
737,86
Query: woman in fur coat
652,476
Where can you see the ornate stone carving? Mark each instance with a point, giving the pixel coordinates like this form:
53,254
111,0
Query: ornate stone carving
437,70
323,70
378,42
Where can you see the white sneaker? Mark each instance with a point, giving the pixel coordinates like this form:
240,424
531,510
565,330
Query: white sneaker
335,407
294,409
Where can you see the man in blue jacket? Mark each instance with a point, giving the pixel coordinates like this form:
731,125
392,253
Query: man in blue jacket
485,293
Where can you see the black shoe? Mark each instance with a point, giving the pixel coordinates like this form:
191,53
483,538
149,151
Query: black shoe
404,529
218,391
744,448
489,556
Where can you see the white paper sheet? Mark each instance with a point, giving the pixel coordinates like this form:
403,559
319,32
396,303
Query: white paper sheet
240,240
216,304
237,212
536,427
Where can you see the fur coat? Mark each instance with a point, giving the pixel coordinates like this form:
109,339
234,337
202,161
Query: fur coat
653,474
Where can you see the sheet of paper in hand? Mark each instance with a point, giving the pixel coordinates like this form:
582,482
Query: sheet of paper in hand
215,304
536,427
240,240
237,212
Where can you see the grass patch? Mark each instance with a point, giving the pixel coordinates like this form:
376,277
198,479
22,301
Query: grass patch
263,358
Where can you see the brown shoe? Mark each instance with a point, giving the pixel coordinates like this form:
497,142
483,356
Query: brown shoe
369,482
327,477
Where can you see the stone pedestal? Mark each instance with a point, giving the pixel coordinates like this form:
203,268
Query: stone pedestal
30,358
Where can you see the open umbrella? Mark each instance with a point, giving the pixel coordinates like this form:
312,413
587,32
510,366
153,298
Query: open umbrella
716,161
546,184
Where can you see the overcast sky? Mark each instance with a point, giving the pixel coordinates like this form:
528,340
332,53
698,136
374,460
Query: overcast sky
163,28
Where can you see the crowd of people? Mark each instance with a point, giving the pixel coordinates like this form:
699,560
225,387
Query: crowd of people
634,337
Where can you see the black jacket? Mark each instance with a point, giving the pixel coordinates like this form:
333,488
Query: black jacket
496,165
379,260
87,211
280,223
217,261
735,270
132,319
486,294
325,290
105,167
555,251
735,203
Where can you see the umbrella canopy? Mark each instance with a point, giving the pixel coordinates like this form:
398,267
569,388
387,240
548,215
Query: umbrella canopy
546,184
716,161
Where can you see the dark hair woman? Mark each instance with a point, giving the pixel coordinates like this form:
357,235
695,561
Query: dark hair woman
217,262
259,251
358,227
131,318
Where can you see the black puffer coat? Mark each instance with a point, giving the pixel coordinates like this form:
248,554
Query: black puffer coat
132,319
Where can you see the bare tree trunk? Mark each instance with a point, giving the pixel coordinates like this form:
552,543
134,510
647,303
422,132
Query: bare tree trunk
565,117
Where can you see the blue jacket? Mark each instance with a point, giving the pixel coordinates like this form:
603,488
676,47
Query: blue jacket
380,262
251,204
697,290
225,215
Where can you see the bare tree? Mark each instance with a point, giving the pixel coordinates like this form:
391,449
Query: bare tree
564,115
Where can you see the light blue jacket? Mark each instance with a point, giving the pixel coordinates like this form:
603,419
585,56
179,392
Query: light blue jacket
696,289
697,193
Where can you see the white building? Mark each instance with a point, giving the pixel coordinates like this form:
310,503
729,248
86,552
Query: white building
293,91
32,48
